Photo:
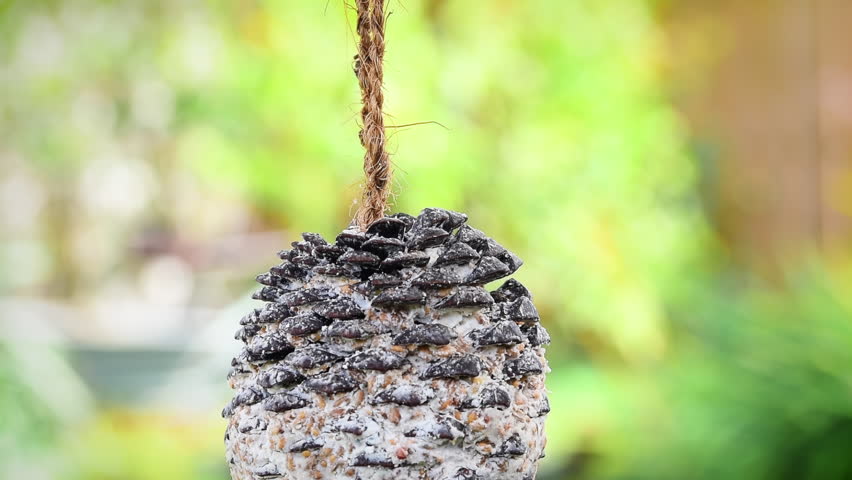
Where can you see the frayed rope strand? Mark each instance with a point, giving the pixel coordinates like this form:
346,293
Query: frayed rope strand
368,70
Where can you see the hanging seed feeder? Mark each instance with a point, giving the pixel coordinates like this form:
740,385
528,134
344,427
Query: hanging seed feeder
381,355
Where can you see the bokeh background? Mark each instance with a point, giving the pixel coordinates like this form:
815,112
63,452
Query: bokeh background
676,174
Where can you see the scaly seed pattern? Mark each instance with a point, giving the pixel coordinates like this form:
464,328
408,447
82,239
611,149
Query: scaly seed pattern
382,356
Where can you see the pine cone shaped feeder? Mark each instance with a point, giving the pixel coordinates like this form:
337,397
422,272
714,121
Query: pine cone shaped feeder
382,356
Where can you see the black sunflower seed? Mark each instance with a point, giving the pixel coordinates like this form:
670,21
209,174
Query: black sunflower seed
502,333
267,471
351,239
273,346
274,313
279,376
289,270
329,252
454,367
246,332
488,270
511,290
427,334
249,396
466,297
513,261
521,310
399,297
301,325
405,260
349,329
457,254
306,296
352,424
267,294
305,445
376,359
431,217
312,356
454,221
406,395
333,270
388,227
268,279
359,258
543,407
443,429
281,402
301,248
513,447
420,238
314,239
305,261
372,460
331,383
437,278
383,246
342,308
492,396
526,364
536,334
384,280
472,237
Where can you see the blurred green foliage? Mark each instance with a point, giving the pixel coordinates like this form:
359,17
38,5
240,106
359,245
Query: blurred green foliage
204,118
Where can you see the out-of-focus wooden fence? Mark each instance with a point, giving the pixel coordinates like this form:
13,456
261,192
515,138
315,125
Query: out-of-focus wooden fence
766,88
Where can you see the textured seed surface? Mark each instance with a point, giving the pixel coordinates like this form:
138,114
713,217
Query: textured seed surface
279,376
360,258
372,460
489,269
407,259
455,367
400,297
502,333
381,356
536,334
491,396
511,290
431,334
458,253
443,429
305,445
524,365
329,383
377,359
388,227
521,310
305,296
273,346
351,329
382,246
466,297
303,324
408,395
312,356
283,401
437,278
274,312
385,280
427,237
512,447
339,308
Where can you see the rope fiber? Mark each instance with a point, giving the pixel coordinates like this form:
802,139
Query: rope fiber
368,70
